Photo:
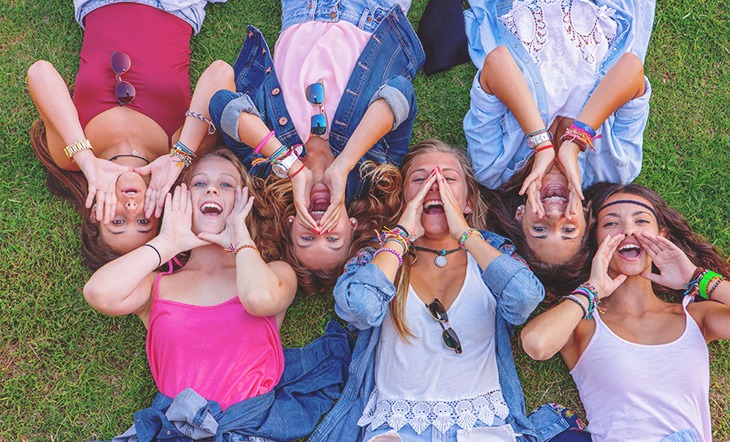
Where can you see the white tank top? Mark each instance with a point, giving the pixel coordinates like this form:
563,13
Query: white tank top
423,382
637,392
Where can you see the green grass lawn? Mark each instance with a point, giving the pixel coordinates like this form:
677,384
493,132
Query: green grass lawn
70,373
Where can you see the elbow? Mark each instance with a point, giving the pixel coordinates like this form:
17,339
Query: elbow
97,299
535,344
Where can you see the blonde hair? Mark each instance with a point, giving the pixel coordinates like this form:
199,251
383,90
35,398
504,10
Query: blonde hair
475,219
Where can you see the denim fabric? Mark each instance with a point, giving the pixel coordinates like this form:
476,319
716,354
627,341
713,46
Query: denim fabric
192,11
496,143
384,69
688,435
361,298
365,14
313,379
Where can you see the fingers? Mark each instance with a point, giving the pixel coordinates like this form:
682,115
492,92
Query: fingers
144,170
617,281
574,206
535,202
653,277
90,197
304,217
110,208
575,184
529,180
329,220
425,188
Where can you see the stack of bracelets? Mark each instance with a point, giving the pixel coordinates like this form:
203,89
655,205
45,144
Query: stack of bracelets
235,249
183,153
703,283
466,235
398,234
586,289
581,134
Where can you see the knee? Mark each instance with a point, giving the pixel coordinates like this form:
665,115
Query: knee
39,70
220,70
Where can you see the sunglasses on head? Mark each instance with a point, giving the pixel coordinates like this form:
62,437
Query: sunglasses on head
449,336
121,63
315,96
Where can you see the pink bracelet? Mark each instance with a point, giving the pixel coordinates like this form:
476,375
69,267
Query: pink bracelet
261,144
393,251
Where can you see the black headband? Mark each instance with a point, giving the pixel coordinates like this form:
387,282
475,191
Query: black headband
638,203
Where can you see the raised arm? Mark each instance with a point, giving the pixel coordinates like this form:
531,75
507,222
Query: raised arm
63,128
562,328
123,286
265,289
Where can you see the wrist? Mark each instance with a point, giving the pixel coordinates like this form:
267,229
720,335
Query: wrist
165,246
83,158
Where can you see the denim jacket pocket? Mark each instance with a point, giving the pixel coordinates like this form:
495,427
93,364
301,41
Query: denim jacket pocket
688,435
547,422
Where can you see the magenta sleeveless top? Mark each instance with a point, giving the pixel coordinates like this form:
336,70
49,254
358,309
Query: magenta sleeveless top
221,351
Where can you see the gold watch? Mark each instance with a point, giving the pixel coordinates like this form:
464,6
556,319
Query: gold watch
76,147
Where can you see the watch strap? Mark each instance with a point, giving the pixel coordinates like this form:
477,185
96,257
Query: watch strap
76,147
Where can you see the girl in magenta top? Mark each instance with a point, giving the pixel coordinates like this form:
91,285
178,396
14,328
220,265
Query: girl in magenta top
212,325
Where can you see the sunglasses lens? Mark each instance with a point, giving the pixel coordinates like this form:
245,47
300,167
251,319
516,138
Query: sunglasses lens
319,124
120,62
315,93
125,92
438,311
451,340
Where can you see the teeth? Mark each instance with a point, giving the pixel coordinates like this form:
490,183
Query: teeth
211,207
432,203
629,246
555,200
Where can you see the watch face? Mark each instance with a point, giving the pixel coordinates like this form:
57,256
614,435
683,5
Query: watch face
280,170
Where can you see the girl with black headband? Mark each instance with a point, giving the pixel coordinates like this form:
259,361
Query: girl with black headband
640,363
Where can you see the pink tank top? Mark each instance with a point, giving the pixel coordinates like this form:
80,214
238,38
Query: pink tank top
220,351
637,392
158,44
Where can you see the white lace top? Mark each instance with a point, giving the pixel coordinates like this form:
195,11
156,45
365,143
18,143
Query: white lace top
567,39
423,382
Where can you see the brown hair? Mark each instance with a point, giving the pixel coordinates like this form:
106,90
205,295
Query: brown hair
378,207
257,218
558,278
72,186
475,219
697,249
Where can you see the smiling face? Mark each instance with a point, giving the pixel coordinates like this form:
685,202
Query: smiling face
325,251
433,218
554,239
627,218
129,229
212,186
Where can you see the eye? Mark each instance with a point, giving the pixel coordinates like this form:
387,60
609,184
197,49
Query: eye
569,229
610,224
643,221
539,228
418,180
143,221
118,222
332,239
307,238
225,184
198,183
450,179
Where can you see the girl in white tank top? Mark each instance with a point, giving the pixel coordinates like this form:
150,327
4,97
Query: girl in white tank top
641,365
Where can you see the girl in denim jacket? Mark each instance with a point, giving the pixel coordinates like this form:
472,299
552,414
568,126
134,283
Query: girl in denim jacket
560,102
434,304
335,102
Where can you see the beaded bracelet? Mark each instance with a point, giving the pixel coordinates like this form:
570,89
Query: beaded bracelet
707,276
714,282
591,293
261,144
211,126
279,154
398,234
580,136
393,251
402,230
183,153
235,249
579,302
466,235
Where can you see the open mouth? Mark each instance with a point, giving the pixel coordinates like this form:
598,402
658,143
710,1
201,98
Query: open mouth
554,193
130,191
433,207
211,209
629,250
318,203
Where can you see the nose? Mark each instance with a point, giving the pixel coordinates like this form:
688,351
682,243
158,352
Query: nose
211,190
553,213
130,205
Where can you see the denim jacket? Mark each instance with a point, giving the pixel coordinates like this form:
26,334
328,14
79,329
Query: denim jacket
362,295
313,379
496,143
192,11
259,91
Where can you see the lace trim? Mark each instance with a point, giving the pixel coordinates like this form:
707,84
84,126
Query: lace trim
442,415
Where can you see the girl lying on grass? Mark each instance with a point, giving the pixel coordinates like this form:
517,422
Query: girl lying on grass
213,325
640,363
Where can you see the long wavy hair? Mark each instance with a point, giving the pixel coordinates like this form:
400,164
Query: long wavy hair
257,220
558,278
697,249
72,186
475,219
377,208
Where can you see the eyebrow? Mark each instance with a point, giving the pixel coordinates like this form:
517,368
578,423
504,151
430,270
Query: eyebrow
447,169
561,237
637,213
119,232
207,176
309,244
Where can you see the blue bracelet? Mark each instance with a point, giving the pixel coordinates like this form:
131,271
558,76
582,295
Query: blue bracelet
584,127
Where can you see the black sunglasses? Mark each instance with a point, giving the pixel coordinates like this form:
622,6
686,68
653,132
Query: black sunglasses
124,90
449,336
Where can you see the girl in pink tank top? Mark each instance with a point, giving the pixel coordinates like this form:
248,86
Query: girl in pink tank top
212,325
636,333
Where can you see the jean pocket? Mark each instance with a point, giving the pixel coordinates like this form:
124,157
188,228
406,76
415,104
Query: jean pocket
502,433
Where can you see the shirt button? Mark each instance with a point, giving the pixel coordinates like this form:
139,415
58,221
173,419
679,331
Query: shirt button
275,91
263,51
283,121
333,14
250,34
268,69
370,19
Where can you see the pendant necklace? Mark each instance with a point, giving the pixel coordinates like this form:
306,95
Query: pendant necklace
440,259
